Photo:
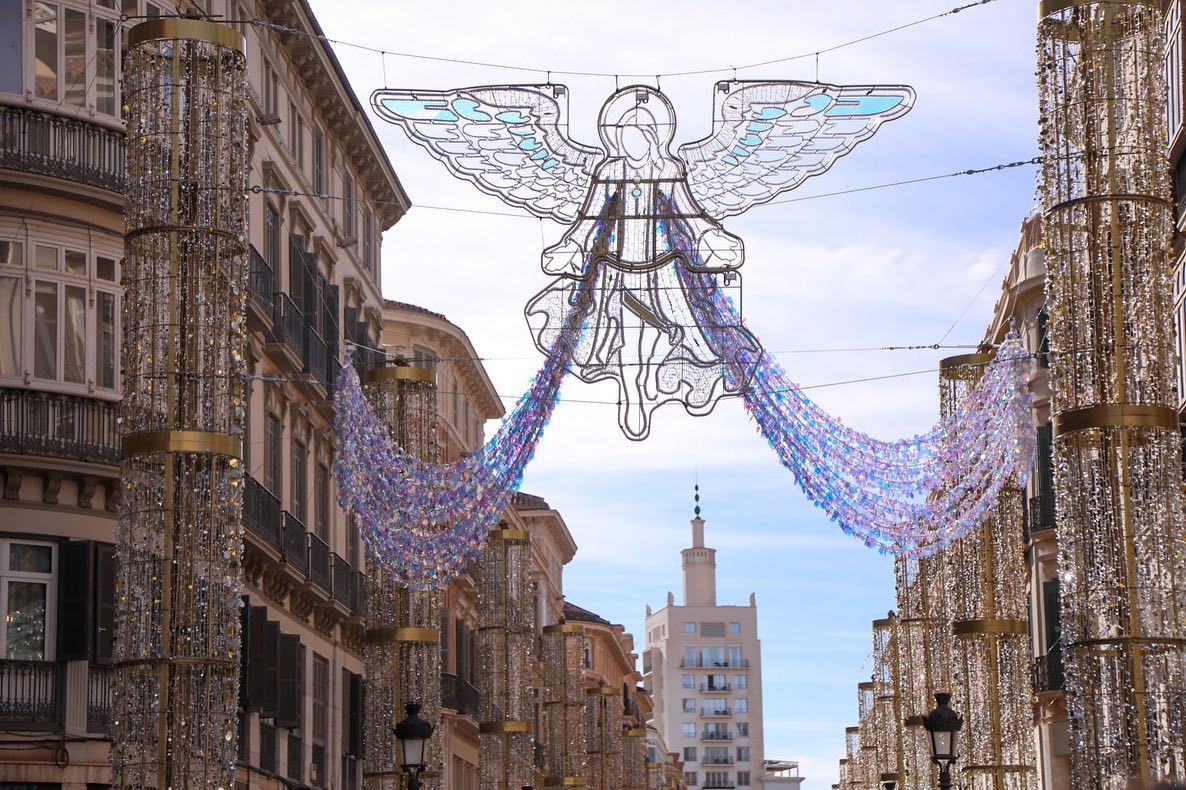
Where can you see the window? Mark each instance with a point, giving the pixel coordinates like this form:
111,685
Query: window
689,704
741,705
689,754
743,754
426,358
690,778
105,357
45,45
321,496
690,659
1173,69
735,656
352,543
717,779
272,454
688,729
271,91
687,681
743,729
26,599
271,237
740,681
716,755
12,56
299,493
743,778
735,628
320,699
689,628
347,206
296,135
716,707
715,683
12,300
318,161
72,63
368,241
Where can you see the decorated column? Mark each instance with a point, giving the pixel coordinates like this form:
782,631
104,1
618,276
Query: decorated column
603,731
179,535
634,759
565,760
1118,477
887,712
505,642
850,775
403,637
988,601
918,635
868,773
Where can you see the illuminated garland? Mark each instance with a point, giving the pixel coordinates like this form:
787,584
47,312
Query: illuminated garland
908,497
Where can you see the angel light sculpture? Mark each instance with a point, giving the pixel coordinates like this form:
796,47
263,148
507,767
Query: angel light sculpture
644,225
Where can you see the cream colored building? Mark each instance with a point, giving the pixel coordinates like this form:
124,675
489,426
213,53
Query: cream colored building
703,667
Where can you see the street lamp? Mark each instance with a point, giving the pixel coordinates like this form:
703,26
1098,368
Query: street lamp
413,733
943,724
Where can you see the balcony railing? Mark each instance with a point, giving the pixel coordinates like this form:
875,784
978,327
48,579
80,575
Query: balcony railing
262,514
450,691
703,663
98,700
319,571
358,607
316,357
288,325
294,550
1041,513
708,689
31,695
1048,671
343,584
61,426
261,282
715,735
717,761
52,145
715,712
468,699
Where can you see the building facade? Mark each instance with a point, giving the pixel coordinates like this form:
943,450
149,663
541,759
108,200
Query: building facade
703,667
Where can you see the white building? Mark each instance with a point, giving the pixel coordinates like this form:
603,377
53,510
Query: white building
703,665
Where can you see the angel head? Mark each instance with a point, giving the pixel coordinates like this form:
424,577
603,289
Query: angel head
638,123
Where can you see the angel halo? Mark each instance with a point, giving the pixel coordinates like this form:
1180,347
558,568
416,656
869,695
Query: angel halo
645,235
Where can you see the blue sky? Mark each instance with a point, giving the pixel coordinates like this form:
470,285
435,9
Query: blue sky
890,267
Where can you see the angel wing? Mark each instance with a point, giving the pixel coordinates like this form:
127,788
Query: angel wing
508,140
771,136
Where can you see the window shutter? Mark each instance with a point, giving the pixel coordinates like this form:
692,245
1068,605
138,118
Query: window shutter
313,285
268,687
75,622
330,319
104,603
288,682
257,658
459,643
296,270
245,633
356,710
1045,457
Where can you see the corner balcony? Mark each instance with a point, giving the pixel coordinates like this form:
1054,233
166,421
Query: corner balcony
69,427
38,142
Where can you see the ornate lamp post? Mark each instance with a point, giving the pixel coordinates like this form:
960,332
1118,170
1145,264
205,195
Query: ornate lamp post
943,725
413,733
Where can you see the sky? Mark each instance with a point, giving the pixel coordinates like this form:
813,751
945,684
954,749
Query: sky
910,265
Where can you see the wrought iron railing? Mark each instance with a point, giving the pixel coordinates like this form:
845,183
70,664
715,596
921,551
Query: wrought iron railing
1041,512
450,691
31,695
267,747
98,700
710,689
261,281
715,735
316,357
358,606
61,426
1049,673
467,698
715,712
319,564
295,551
343,584
262,514
288,324
53,145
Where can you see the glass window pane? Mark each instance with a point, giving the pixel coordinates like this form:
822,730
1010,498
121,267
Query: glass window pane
106,358
11,59
12,253
105,60
45,330
76,262
11,315
45,43
105,268
24,626
29,558
74,73
46,258
75,350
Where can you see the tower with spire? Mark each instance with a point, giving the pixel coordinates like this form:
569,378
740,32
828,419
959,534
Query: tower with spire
703,666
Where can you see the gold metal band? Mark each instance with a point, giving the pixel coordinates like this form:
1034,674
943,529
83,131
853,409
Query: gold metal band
884,622
401,373
1116,198
914,721
504,726
1115,415
189,29
565,781
890,777
182,442
1000,769
654,765
605,691
965,360
564,628
848,730
989,626
865,685
511,535
636,732
405,634
175,661
1048,7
